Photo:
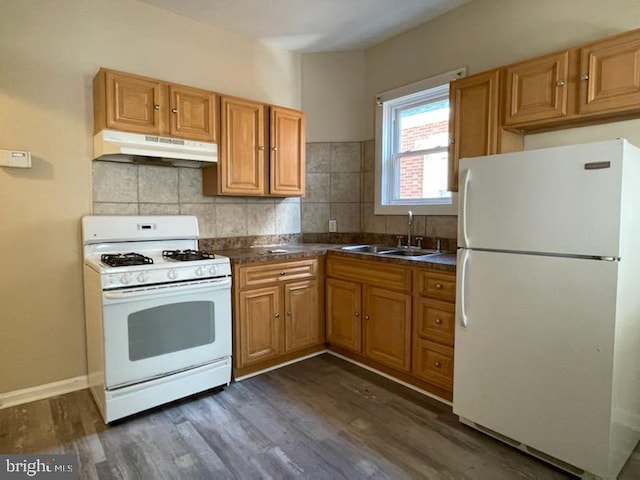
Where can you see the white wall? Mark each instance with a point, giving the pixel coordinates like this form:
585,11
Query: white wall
333,96
480,35
49,52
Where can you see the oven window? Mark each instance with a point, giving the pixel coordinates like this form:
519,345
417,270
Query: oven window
170,328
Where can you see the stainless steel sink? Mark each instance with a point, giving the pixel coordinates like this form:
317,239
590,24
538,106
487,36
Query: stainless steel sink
411,252
367,249
392,251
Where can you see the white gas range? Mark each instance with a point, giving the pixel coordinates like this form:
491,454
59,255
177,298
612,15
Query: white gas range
157,310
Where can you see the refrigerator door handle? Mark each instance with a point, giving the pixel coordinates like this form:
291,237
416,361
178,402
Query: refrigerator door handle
462,287
466,178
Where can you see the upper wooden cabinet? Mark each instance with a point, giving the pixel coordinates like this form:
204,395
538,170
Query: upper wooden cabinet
610,75
537,89
193,113
287,152
128,102
259,155
592,83
133,103
241,168
595,83
474,123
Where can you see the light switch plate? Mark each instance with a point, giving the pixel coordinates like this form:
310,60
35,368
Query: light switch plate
333,226
15,158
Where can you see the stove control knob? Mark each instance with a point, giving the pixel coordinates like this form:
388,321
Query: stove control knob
213,269
126,278
199,271
172,274
143,277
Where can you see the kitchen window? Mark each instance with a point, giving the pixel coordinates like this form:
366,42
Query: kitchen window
412,140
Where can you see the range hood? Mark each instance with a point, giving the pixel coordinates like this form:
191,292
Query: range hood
134,147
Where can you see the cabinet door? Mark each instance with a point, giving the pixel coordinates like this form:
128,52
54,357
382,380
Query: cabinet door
193,113
343,314
610,74
537,89
259,324
287,155
434,320
387,327
242,147
135,104
302,322
433,363
473,123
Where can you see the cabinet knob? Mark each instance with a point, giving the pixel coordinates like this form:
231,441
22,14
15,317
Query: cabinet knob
277,315
439,286
452,141
356,314
275,149
560,83
156,106
438,321
174,110
437,364
584,76
288,314
366,317
261,147
283,273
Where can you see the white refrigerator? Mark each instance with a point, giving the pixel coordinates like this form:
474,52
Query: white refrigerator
547,340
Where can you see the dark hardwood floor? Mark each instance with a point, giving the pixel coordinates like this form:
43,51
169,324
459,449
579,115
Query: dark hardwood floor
322,418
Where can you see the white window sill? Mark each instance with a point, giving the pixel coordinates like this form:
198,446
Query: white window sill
417,209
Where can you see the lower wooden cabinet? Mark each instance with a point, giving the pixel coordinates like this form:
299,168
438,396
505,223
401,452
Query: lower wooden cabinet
302,319
434,328
259,327
387,327
278,312
396,318
433,363
343,314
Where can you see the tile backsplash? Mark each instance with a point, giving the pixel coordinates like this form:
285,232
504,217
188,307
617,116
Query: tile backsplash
137,189
339,186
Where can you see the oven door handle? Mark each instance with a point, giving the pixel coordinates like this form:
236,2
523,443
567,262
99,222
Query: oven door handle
170,289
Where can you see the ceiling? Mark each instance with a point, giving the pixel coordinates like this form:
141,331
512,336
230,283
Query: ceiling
313,25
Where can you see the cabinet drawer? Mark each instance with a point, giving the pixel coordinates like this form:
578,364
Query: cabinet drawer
435,320
258,275
433,363
381,275
437,285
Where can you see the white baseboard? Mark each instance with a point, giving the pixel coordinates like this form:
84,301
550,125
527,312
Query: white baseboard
31,394
390,377
280,365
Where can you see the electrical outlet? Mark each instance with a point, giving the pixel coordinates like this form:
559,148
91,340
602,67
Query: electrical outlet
333,226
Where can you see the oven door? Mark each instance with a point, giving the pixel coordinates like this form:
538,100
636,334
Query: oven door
153,331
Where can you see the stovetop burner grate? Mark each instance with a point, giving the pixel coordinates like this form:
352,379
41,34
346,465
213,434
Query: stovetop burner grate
187,255
125,259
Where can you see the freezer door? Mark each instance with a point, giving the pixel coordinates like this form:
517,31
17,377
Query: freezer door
563,200
535,359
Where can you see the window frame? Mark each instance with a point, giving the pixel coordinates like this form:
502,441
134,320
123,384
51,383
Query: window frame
384,171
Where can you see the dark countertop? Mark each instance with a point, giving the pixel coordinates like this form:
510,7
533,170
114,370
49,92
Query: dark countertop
445,262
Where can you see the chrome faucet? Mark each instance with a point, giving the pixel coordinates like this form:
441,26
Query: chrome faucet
410,225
